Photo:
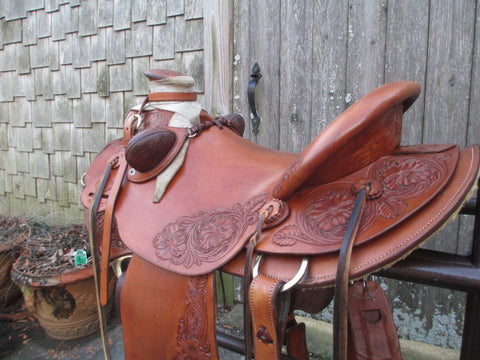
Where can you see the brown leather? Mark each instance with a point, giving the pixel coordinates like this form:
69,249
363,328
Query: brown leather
213,204
373,335
166,315
296,341
386,249
172,96
269,309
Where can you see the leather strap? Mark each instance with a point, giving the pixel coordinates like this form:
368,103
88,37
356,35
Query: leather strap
297,342
172,96
373,335
269,309
340,306
92,231
121,164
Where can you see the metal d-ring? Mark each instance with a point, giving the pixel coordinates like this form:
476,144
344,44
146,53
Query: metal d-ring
293,281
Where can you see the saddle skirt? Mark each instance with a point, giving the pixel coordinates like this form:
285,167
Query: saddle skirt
213,201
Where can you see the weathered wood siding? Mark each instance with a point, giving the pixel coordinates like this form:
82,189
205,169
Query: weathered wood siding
318,57
69,71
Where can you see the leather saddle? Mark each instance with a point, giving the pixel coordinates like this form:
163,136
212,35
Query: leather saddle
188,195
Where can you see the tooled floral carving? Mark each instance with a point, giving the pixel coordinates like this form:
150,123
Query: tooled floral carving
396,180
206,236
192,331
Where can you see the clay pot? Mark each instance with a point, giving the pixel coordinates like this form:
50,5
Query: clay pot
64,304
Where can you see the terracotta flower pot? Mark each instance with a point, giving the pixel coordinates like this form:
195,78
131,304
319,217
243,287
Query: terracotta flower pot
64,304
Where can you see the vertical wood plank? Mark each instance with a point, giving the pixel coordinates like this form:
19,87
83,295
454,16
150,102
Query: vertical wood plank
330,36
295,75
366,47
449,70
406,57
218,40
264,40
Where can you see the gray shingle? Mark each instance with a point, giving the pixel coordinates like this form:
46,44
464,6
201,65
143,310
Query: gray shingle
81,51
44,24
30,185
53,56
61,192
23,59
11,31
43,83
98,46
87,18
22,161
115,112
97,109
69,167
20,112
31,5
24,138
163,41
3,203
10,161
59,19
56,163
139,40
58,81
71,21
46,190
6,93
41,113
14,10
29,86
30,29
39,165
39,54
81,112
47,141
188,34
140,81
89,79
122,14
18,187
139,10
103,80
115,47
72,83
51,5
105,13
8,58
77,142
94,138
174,7
3,141
121,77
61,136
62,110
66,50
156,12
4,117
193,9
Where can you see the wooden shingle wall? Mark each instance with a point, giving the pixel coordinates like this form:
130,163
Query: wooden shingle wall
69,72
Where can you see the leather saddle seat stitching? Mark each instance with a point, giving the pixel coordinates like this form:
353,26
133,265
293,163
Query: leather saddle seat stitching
210,208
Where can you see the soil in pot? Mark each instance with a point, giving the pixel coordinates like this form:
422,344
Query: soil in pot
58,292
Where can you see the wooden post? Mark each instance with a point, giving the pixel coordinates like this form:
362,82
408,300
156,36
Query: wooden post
218,56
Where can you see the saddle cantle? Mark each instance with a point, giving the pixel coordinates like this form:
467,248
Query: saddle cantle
194,197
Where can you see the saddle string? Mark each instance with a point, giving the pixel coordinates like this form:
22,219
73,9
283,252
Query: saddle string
247,279
92,230
340,306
